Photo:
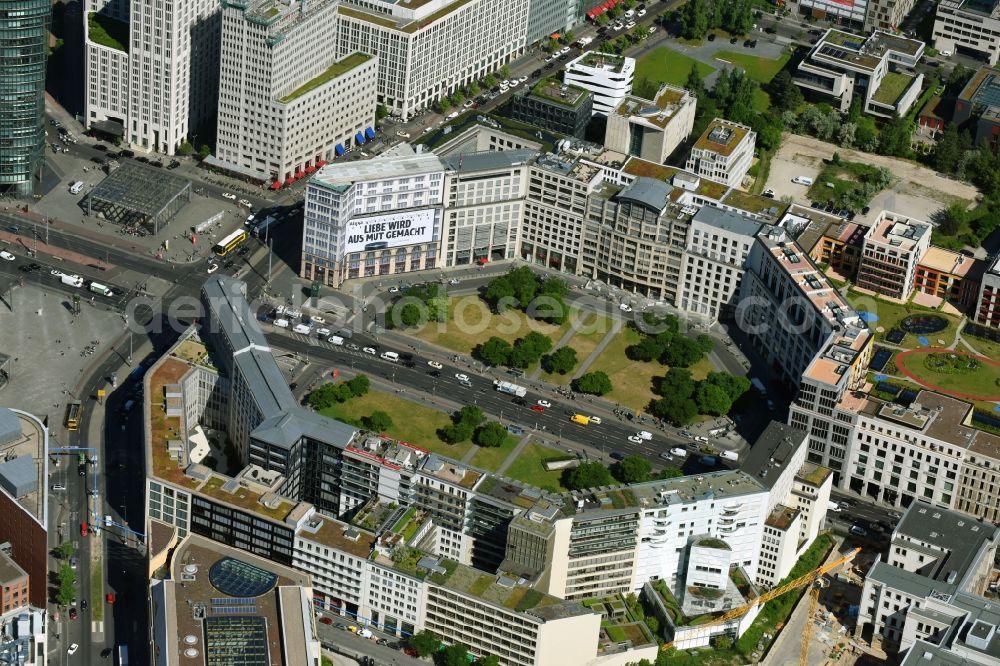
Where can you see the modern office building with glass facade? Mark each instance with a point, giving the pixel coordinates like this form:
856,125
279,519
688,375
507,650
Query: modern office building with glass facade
24,31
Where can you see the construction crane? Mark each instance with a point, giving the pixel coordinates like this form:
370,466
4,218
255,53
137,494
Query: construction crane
777,592
807,634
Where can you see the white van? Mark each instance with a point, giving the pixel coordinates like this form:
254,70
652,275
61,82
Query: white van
101,289
336,340
730,455
323,333
303,329
803,180
390,356
71,280
679,451
76,187
281,323
644,434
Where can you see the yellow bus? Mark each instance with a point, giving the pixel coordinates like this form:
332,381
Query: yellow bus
74,412
230,242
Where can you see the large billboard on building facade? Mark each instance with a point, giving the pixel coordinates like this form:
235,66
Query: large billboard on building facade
391,230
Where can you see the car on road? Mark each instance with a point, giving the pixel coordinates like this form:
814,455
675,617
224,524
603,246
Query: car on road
326,620
635,439
630,25
857,530
537,408
641,12
84,604
72,648
522,79
711,36
625,307
544,403
110,598
6,256
73,614
212,268
402,134
666,456
229,195
30,268
518,400
617,455
393,290
369,350
769,193
652,29
83,529
454,281
173,164
101,147
678,451
245,203
435,364
461,377
352,346
617,26
515,429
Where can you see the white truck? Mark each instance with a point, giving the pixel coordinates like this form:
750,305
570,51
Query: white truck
336,340
513,389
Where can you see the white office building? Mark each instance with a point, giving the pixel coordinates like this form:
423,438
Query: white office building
718,243
969,25
606,75
287,104
376,217
723,153
428,50
484,205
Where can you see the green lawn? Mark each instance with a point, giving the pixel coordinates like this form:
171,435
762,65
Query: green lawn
892,86
757,68
529,468
761,100
955,376
97,590
107,31
632,381
669,66
419,427
592,329
983,347
890,314
845,178
492,458
473,323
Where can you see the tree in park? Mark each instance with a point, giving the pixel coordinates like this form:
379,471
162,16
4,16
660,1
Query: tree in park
588,475
712,400
733,385
678,411
491,434
359,385
561,361
785,95
681,353
594,383
377,421
425,642
677,383
695,19
695,83
705,343
633,469
495,351
410,315
455,655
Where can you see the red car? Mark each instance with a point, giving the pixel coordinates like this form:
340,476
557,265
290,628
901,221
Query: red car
410,652
537,408
110,598
83,528
326,620
72,613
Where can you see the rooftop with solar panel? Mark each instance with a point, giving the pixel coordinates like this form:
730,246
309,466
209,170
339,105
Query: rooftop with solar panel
220,606
983,88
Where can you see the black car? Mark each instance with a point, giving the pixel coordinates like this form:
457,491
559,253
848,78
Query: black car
83,604
158,164
537,72
711,36
142,158
518,400
82,470
865,210
746,43
434,373
734,40
753,43
30,268
128,153
173,164
100,147
97,160
243,251
617,455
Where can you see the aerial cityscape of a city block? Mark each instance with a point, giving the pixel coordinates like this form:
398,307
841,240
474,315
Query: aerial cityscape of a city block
499,332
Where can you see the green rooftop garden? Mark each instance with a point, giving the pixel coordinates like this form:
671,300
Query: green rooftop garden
893,85
107,31
365,16
417,25
552,89
751,203
331,72
713,543
816,476
406,559
711,189
406,526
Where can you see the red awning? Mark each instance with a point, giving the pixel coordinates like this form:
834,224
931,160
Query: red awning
299,173
555,35
320,163
290,180
310,169
276,185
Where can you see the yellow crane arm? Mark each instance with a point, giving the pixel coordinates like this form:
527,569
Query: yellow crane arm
807,634
778,591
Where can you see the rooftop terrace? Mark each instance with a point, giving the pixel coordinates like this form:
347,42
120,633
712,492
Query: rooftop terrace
554,90
496,589
721,137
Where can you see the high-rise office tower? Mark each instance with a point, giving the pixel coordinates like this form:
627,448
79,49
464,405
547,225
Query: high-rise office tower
24,32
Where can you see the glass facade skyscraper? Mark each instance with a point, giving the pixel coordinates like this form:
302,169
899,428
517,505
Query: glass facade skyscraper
24,33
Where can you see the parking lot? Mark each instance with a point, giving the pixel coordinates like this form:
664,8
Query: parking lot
918,191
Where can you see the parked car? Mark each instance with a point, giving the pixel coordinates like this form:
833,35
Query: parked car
6,256
229,195
857,530
369,350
